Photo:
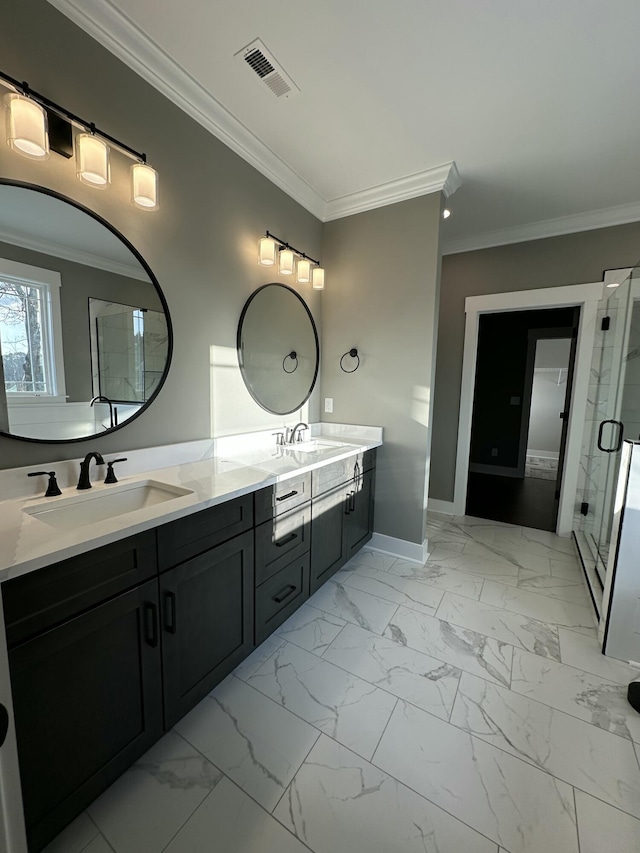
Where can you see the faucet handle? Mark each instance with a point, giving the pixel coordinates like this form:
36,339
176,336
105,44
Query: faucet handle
111,477
53,490
300,436
279,437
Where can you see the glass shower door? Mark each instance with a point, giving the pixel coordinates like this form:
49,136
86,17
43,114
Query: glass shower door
614,398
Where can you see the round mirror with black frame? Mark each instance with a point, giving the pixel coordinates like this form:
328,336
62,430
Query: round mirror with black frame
85,331
278,349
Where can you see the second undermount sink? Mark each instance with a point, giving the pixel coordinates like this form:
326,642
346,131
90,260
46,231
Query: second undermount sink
70,513
315,446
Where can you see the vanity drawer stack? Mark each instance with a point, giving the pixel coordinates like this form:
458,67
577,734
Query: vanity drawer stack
282,544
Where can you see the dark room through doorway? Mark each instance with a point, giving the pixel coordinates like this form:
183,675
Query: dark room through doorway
524,374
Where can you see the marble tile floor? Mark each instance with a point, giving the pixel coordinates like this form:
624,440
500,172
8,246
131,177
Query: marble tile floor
462,705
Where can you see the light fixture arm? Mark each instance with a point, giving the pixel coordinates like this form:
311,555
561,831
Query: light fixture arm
282,244
51,106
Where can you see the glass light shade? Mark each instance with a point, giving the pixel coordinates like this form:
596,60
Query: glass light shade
303,271
27,127
92,156
144,186
317,278
446,213
286,262
267,252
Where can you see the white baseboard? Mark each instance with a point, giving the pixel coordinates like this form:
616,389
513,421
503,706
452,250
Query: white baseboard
445,507
399,547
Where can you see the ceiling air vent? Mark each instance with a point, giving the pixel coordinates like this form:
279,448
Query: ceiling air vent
269,71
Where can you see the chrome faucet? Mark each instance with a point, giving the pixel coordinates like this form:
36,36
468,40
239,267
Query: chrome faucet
84,481
292,435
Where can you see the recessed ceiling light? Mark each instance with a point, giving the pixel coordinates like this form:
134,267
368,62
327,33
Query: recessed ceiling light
446,213
614,284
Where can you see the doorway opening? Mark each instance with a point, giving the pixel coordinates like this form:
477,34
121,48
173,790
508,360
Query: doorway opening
524,373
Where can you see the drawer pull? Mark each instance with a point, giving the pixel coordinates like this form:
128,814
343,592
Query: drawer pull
284,593
286,540
348,507
151,624
287,496
4,724
170,612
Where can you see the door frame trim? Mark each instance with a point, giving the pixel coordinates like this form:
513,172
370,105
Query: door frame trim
584,296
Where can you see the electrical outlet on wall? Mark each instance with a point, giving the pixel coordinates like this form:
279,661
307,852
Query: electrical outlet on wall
328,404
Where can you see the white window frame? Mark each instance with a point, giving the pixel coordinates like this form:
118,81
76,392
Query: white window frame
51,282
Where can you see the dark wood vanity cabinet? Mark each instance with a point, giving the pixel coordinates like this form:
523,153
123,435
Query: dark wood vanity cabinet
342,514
87,690
109,649
207,622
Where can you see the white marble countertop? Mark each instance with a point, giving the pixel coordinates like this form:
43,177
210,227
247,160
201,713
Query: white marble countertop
237,468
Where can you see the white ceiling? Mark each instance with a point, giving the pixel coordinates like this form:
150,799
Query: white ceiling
534,100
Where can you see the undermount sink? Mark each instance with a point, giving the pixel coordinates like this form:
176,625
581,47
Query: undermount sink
73,512
314,446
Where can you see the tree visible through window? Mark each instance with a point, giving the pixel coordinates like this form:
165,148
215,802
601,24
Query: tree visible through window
24,337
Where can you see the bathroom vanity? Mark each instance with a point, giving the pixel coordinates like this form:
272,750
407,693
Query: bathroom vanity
114,630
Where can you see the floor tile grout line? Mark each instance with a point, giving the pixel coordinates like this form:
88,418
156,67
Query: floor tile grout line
430,606
300,766
477,578
382,735
422,796
532,763
575,806
97,829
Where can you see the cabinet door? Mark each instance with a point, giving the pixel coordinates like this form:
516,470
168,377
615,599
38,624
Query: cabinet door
328,535
359,527
207,622
88,702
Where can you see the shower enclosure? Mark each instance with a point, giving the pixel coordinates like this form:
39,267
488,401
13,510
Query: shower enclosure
613,415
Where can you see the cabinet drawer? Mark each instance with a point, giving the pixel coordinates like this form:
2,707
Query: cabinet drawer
281,540
282,497
331,476
36,602
187,537
278,597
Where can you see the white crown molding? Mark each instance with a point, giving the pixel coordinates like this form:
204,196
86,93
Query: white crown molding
589,221
122,37
68,253
444,178
115,31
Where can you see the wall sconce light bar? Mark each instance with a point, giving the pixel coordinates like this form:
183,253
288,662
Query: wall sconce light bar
58,131
271,247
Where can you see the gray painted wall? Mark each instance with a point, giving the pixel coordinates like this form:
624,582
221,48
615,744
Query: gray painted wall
201,244
382,297
557,261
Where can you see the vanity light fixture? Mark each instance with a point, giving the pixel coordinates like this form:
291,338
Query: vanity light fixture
144,186
317,278
92,160
37,125
303,270
286,262
26,126
290,259
267,251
